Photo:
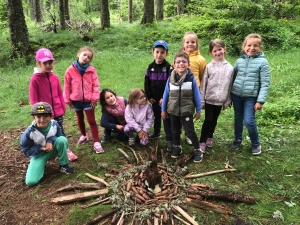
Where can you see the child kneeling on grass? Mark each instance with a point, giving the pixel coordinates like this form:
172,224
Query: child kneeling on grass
42,141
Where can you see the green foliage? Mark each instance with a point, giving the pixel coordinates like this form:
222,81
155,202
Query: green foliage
3,15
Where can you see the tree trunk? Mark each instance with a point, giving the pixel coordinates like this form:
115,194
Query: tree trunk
180,7
67,12
32,9
48,5
62,14
104,14
17,28
148,15
37,11
130,11
160,10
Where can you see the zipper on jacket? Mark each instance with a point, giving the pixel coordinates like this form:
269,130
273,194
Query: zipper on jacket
245,74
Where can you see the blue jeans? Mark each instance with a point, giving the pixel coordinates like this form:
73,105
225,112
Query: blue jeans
244,112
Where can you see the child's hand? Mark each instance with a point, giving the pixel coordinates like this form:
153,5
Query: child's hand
93,105
203,106
151,100
197,116
258,106
49,146
141,134
164,115
120,127
160,102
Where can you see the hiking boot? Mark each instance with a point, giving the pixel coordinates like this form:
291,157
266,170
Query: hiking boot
169,146
188,141
256,149
66,169
176,151
105,138
203,146
209,143
198,156
131,141
82,139
236,144
98,148
152,136
71,155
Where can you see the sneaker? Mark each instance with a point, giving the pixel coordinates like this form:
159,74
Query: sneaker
202,146
188,141
98,148
256,149
152,136
176,151
66,169
169,146
236,144
105,138
209,143
82,139
131,141
198,156
71,155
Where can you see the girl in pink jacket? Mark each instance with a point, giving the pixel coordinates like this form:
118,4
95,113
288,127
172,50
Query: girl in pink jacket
81,93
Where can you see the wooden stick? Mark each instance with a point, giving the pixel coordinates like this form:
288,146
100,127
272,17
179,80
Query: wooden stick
134,153
126,156
122,215
181,220
206,186
101,216
209,173
208,206
94,203
163,158
78,197
185,215
98,179
74,186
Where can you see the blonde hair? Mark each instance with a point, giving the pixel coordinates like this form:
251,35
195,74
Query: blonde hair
86,48
252,36
134,95
216,42
189,33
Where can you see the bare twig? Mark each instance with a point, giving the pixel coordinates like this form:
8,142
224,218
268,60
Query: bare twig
126,156
137,160
98,179
209,173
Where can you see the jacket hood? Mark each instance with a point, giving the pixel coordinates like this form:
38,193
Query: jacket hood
196,52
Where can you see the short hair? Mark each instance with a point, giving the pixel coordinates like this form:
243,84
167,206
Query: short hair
182,54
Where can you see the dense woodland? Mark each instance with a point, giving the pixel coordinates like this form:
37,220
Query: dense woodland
276,20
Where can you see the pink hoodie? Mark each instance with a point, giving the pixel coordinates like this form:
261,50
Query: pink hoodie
45,87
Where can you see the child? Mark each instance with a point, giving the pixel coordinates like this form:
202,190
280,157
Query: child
215,90
44,86
180,97
249,90
156,77
197,63
81,92
113,114
42,141
139,116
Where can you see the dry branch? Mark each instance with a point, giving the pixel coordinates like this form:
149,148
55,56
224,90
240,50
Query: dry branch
94,203
185,159
181,220
98,179
209,173
75,186
126,156
185,215
101,216
134,153
79,196
208,206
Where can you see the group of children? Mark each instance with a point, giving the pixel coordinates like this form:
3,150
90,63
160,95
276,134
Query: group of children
177,94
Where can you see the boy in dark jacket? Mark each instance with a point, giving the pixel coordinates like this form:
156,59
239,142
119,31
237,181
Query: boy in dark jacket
156,77
42,141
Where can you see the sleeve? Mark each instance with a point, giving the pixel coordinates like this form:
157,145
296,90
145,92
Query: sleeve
105,122
203,85
147,85
264,76
197,96
129,117
149,119
33,94
228,100
67,87
61,97
95,88
166,96
28,147
202,66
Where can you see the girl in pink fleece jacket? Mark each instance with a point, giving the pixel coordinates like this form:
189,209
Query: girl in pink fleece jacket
81,93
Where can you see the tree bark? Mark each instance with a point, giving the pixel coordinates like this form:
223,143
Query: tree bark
104,14
37,11
67,12
17,28
160,10
130,11
148,15
62,14
180,7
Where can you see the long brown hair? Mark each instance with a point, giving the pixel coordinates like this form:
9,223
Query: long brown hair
133,96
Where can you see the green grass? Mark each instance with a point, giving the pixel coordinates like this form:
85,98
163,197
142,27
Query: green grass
122,56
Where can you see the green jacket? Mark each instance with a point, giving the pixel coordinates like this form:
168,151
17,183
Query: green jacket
251,77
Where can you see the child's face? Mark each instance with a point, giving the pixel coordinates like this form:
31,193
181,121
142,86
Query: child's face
159,54
110,99
190,43
42,120
181,65
84,57
46,67
218,52
141,100
252,46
